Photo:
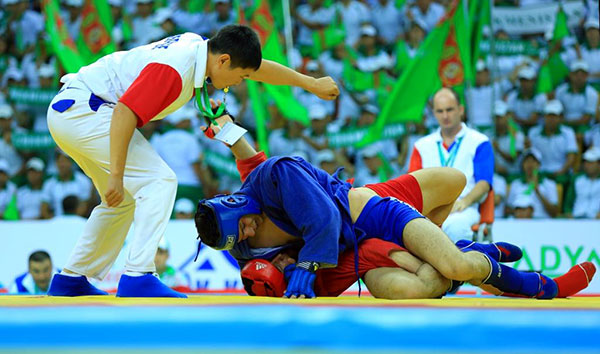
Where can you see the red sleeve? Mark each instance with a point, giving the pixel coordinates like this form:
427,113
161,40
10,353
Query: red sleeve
156,88
415,161
248,165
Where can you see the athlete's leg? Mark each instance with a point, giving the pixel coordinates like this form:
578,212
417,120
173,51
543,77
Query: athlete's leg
440,187
397,283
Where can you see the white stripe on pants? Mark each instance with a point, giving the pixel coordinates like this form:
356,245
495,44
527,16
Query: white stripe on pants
149,184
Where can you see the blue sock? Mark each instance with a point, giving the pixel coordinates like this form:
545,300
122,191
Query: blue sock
145,286
63,285
499,251
510,280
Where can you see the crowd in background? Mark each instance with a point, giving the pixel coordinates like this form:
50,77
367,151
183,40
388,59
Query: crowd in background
546,145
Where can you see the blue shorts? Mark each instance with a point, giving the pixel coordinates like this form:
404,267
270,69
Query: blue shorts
385,218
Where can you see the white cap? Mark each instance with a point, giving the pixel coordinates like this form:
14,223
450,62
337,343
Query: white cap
14,74
164,244
6,111
162,15
46,70
592,154
500,108
368,30
533,152
325,155
553,107
35,163
480,66
312,65
592,22
580,65
371,108
371,150
180,115
118,3
184,205
74,3
527,73
4,167
317,112
523,201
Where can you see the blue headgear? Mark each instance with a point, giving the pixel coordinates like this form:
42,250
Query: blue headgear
228,210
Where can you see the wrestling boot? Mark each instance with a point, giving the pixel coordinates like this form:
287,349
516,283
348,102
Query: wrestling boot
498,251
146,285
64,285
529,284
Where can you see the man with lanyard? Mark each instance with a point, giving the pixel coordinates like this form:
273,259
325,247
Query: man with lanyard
456,145
93,119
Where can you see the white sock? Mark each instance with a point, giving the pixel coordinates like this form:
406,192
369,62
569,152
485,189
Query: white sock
134,274
74,275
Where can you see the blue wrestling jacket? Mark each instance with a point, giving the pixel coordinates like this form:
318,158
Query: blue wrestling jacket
304,201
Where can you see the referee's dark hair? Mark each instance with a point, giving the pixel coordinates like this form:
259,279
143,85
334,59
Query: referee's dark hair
39,256
241,43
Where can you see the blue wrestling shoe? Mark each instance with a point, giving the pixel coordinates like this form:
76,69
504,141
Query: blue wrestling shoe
498,251
146,285
64,285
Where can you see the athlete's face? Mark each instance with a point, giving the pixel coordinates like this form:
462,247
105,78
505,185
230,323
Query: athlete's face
282,260
248,225
222,75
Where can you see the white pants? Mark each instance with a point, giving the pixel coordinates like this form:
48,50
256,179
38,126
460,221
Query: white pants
149,184
458,224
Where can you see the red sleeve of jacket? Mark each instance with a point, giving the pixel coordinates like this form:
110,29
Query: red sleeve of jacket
156,88
248,165
415,161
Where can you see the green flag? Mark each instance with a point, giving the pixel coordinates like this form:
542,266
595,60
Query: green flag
262,22
554,70
62,44
328,37
11,212
484,19
260,114
442,60
95,39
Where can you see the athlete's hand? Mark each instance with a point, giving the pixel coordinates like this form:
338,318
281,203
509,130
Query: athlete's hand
324,88
114,193
301,284
213,129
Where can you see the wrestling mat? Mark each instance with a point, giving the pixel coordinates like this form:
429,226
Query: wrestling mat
242,324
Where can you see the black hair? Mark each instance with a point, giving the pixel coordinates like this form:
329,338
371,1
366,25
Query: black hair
206,225
39,256
70,204
241,43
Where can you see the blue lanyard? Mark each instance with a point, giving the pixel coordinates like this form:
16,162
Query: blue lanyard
452,153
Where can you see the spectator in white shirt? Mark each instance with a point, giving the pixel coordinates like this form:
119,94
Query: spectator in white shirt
7,150
376,167
585,189
30,196
578,98
481,98
144,26
556,142
508,142
499,186
222,16
7,188
311,17
590,51
592,136
542,191
285,141
427,11
523,207
354,15
22,24
523,101
65,183
389,21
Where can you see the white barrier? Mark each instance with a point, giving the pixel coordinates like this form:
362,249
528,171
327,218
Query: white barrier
552,246
535,18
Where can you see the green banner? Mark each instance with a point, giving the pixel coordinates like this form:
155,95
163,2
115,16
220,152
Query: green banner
221,164
351,137
33,141
508,47
31,96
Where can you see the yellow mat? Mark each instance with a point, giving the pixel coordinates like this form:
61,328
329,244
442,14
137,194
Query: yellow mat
587,303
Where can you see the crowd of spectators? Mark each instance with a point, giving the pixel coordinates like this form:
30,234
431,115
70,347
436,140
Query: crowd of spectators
546,145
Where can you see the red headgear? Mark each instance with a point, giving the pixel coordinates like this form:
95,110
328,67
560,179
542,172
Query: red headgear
262,278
